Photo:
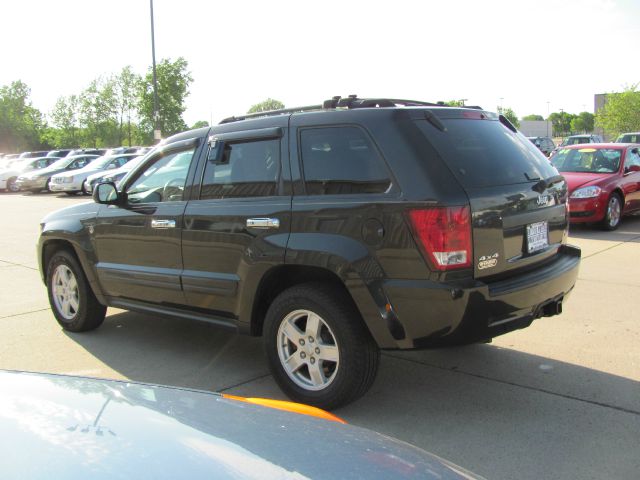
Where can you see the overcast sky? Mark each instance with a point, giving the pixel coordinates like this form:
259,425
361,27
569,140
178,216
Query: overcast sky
491,52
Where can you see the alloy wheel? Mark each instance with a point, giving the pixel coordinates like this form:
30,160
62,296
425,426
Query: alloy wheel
308,350
65,292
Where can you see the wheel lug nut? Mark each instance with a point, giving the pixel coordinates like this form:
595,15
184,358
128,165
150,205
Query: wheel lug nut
302,341
312,360
317,350
310,339
303,355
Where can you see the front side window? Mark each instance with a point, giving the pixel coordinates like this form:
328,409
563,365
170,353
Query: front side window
341,160
243,169
163,180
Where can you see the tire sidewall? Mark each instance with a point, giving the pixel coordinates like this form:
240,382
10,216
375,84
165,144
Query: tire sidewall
331,316
79,319
606,221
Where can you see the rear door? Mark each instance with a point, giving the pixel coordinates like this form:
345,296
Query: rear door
237,226
517,197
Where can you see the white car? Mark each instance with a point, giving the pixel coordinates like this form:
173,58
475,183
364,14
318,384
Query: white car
9,175
73,182
110,175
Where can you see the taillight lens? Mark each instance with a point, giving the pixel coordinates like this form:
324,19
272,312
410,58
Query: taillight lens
444,233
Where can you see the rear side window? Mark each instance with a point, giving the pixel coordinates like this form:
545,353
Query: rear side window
341,160
245,169
484,153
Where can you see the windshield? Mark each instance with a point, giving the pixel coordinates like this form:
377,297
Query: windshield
62,163
101,162
588,160
36,165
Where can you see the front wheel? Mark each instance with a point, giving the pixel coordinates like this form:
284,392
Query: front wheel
613,214
319,350
72,301
12,186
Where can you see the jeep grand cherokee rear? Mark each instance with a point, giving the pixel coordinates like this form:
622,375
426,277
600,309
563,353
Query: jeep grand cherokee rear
333,231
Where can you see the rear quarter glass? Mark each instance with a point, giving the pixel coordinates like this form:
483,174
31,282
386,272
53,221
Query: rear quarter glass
484,153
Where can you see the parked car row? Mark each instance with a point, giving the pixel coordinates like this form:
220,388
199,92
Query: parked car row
62,170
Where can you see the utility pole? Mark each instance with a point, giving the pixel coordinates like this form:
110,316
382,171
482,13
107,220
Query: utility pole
157,133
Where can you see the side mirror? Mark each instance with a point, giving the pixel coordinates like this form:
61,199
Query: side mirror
106,193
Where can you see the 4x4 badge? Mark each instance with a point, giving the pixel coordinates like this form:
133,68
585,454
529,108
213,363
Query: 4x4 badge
488,261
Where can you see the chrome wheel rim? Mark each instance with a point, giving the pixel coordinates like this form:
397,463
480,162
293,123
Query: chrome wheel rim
65,292
12,187
308,350
613,211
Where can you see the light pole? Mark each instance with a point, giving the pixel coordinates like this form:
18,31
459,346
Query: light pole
157,134
548,117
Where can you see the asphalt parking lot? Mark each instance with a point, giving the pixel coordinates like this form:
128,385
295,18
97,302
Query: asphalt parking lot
560,399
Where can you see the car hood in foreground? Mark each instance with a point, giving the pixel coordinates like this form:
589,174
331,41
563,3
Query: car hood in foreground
67,427
578,179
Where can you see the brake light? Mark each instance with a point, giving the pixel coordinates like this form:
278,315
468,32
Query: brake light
444,234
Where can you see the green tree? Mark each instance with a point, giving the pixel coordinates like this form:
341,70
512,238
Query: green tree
126,86
21,125
64,118
98,113
454,103
266,106
538,118
173,80
621,112
582,123
200,124
511,115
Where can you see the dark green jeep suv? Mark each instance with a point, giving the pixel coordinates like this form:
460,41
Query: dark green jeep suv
332,231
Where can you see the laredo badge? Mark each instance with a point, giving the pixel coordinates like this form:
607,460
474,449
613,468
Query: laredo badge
488,261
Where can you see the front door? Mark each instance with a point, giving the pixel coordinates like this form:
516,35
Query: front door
138,243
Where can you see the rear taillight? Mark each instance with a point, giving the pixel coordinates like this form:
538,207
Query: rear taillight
444,234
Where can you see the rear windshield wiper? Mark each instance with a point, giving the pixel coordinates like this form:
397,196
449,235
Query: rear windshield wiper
435,121
543,184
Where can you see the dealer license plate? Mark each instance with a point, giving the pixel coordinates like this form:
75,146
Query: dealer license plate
537,236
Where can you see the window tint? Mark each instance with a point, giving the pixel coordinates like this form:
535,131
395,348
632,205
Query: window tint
163,180
483,153
245,169
341,160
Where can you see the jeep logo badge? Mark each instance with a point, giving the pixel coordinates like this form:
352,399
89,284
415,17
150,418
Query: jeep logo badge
543,200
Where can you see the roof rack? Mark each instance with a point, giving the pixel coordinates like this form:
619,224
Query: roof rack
350,102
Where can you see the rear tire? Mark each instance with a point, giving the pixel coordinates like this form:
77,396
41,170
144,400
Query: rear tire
613,213
319,350
46,187
72,301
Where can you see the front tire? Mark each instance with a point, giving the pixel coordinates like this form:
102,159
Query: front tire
72,301
12,186
613,213
319,350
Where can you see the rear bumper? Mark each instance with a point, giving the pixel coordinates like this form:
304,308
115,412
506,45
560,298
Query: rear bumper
425,313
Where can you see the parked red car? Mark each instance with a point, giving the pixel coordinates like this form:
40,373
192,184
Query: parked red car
604,181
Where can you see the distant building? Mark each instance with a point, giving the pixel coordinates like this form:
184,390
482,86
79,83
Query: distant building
536,128
599,101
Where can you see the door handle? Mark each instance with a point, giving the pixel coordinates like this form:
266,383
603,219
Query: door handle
263,223
163,223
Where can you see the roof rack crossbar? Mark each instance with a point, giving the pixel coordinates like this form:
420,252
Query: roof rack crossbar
271,113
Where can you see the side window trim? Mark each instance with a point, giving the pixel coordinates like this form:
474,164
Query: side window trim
242,137
367,135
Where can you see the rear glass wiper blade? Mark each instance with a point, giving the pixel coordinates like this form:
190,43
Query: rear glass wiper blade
435,121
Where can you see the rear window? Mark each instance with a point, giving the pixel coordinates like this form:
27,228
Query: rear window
484,153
